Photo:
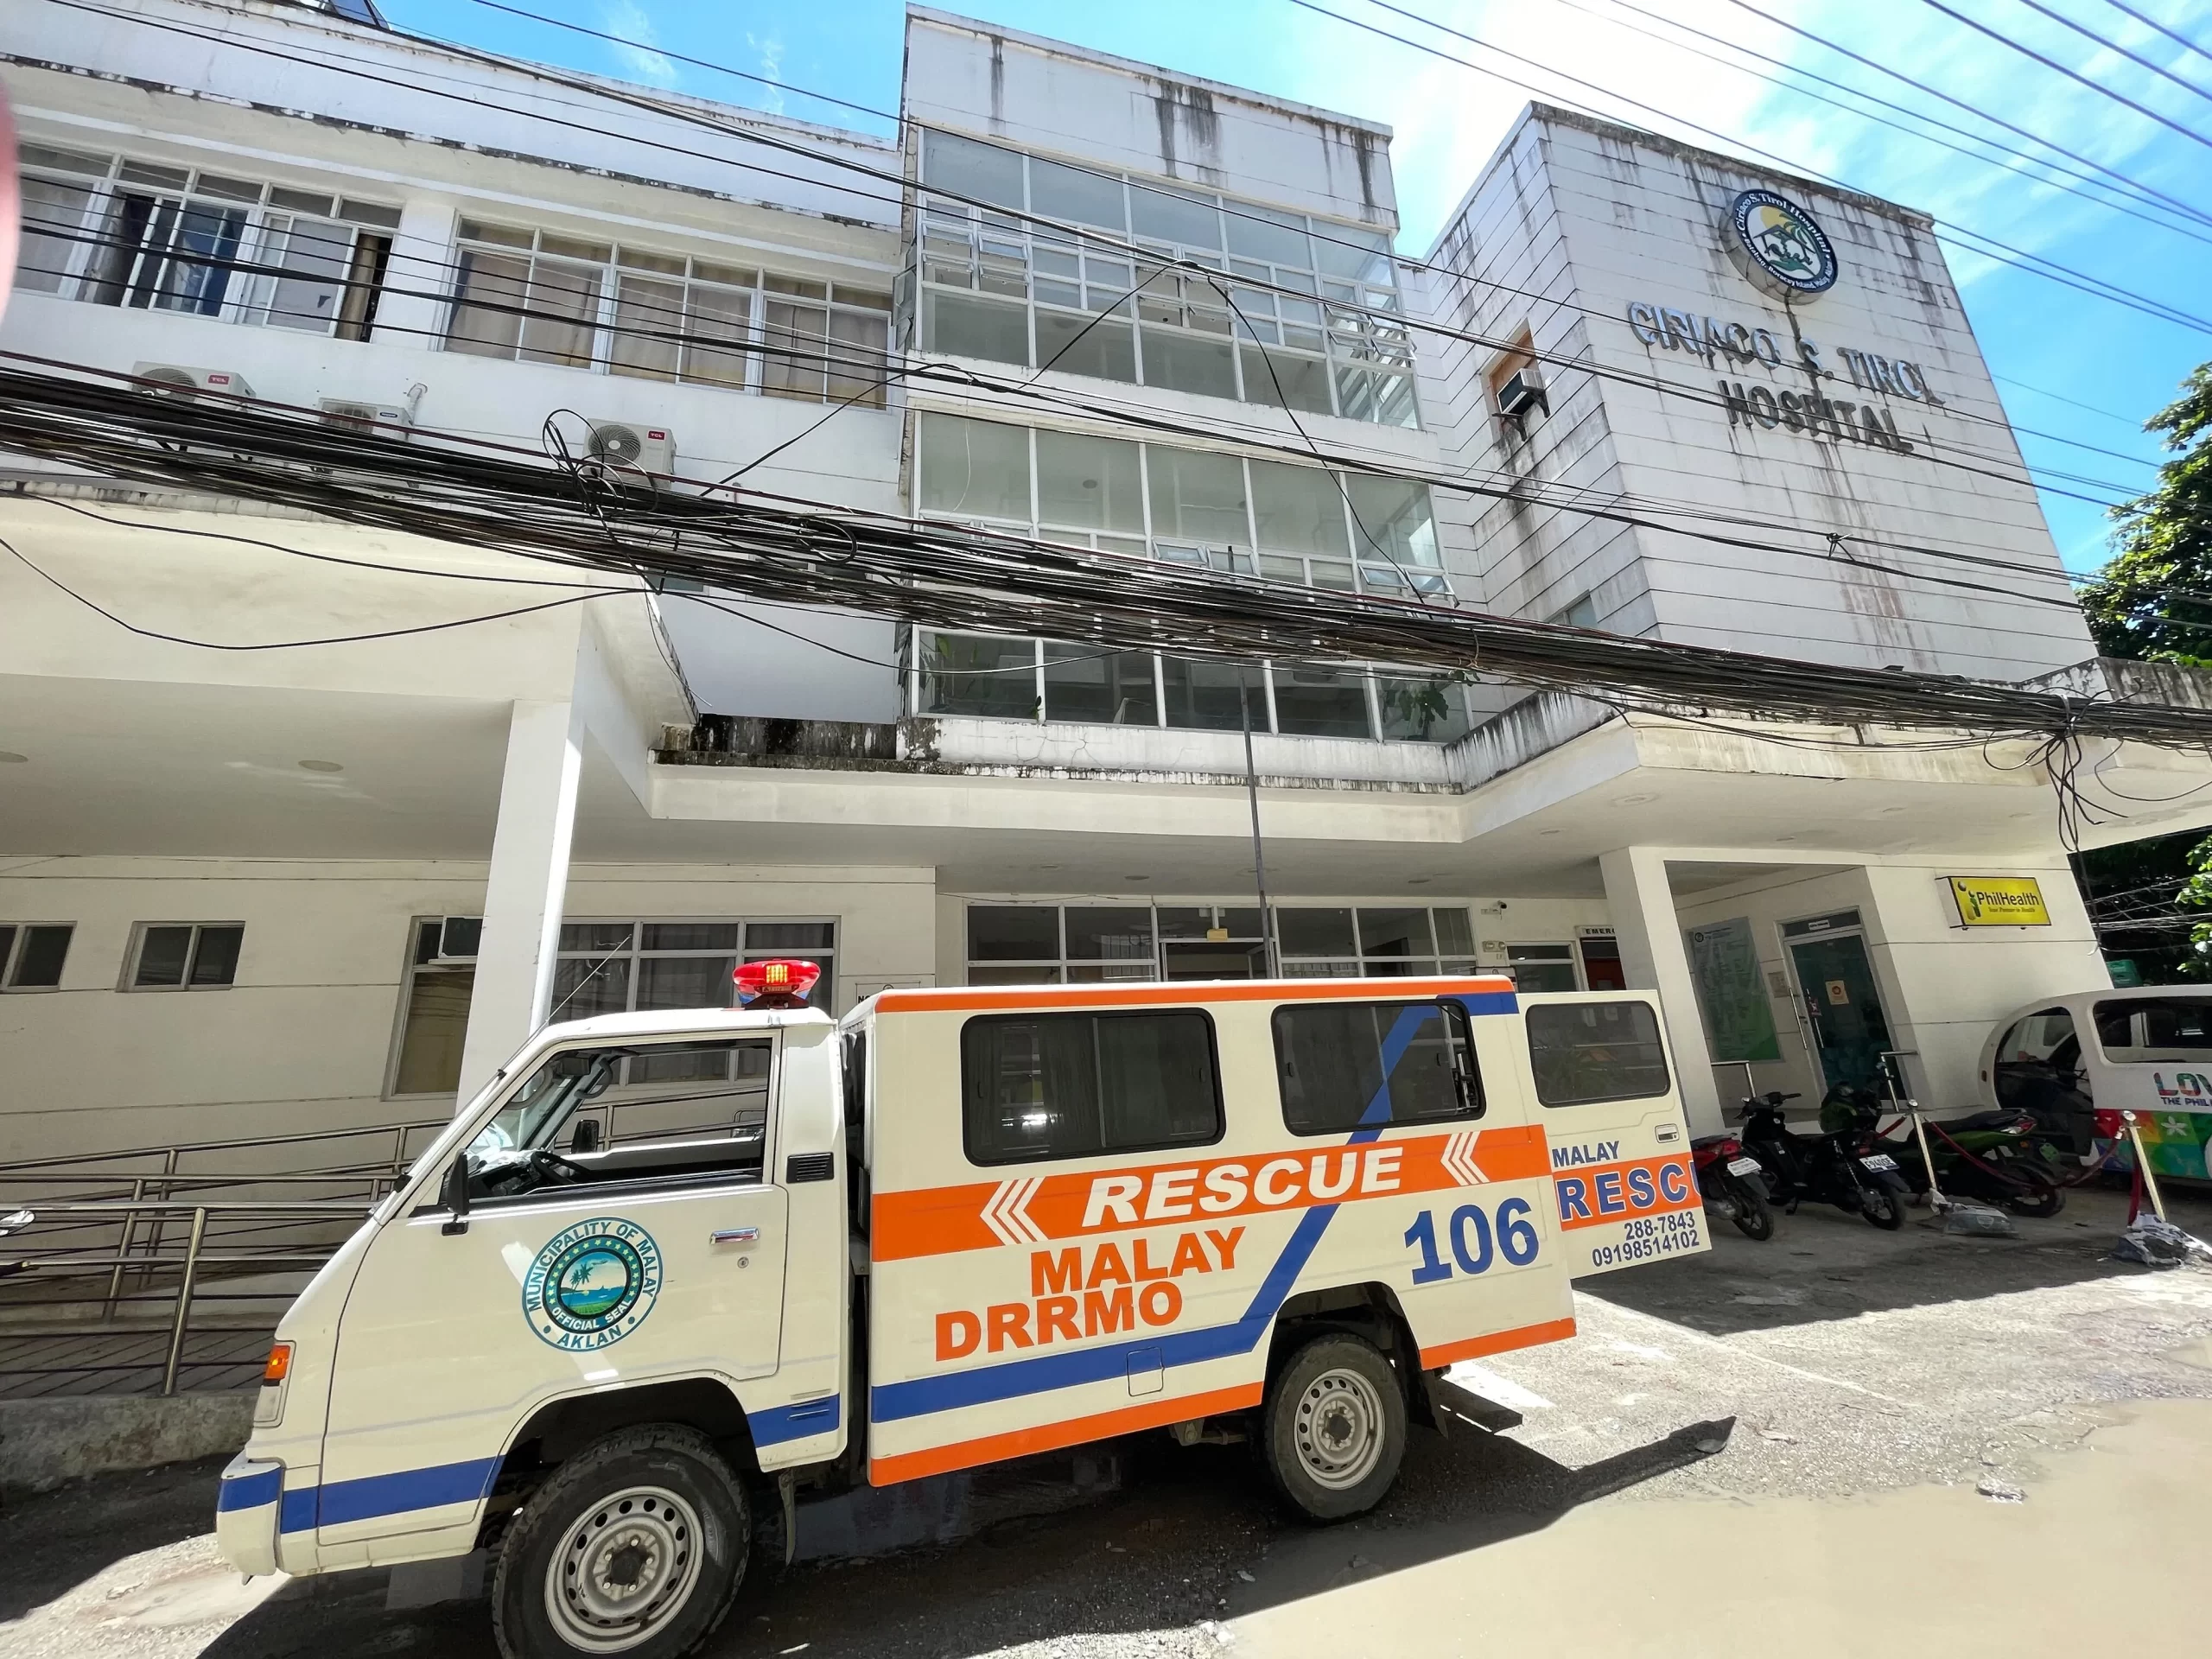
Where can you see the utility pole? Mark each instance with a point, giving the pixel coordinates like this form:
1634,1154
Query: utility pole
1259,860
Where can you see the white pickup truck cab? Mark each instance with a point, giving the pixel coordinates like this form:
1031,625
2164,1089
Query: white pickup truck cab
668,1270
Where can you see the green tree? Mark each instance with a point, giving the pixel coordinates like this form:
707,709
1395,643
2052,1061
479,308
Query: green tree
2140,604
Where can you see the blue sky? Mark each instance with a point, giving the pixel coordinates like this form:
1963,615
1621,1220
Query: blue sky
2068,364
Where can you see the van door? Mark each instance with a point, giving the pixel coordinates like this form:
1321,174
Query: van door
1622,1176
618,1230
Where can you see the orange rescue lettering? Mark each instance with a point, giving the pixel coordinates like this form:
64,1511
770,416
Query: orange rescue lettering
1076,1293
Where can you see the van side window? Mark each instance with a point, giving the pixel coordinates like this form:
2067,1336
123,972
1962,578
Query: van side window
1074,1085
1348,1065
1584,1053
2145,1030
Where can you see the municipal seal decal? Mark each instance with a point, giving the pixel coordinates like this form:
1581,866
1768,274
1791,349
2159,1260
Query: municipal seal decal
592,1284
1780,246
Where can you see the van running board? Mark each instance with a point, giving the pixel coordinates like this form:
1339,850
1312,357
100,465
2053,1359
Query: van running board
1448,1402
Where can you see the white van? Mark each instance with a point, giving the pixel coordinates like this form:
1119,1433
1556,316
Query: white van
668,1269
2072,1060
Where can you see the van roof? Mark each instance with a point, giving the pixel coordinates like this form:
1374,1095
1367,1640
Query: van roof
1180,993
661,1023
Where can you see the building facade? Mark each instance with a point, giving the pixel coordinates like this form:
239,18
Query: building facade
307,825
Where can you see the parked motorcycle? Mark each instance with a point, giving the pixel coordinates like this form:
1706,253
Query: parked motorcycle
2006,1166
1731,1184
1836,1166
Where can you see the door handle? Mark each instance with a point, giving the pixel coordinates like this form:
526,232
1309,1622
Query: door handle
735,1236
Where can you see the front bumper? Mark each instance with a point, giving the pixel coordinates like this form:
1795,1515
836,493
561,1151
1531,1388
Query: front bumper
247,1504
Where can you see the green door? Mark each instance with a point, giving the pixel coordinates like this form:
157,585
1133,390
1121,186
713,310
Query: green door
1843,1008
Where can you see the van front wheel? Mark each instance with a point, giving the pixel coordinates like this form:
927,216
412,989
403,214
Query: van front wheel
635,1546
1335,1428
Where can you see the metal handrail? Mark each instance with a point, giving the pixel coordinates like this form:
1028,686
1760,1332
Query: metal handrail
184,1147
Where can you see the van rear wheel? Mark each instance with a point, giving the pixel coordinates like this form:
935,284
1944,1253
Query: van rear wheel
1334,1429
635,1546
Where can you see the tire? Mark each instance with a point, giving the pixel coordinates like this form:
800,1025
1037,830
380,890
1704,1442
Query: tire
657,1503
1881,1206
2035,1193
1754,1215
1334,1429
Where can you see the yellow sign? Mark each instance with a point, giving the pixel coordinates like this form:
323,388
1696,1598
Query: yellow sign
1998,901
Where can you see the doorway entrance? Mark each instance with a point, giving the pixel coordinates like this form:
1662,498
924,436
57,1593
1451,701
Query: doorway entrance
1843,1007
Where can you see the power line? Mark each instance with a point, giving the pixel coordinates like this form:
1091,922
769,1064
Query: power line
2087,33
2075,76
2152,22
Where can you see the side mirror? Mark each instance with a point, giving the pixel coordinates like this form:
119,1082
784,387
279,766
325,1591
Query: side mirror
584,1138
455,1192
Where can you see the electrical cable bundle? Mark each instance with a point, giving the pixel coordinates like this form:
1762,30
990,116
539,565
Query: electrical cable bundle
781,549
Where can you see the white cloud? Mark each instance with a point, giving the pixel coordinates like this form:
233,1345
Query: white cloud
772,69
627,18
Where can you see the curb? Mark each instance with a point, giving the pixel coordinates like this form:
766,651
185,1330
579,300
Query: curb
46,1442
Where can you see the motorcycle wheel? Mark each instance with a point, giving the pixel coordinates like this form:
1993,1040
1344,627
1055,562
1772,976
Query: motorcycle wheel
2037,1195
1754,1215
1881,1207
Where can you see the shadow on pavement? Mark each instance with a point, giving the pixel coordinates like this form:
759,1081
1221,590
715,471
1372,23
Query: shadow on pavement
1193,1534
1822,1264
53,1541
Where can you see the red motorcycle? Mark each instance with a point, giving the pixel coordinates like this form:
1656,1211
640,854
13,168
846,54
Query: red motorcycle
1733,1183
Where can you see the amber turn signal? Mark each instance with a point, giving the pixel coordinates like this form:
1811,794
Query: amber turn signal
279,1366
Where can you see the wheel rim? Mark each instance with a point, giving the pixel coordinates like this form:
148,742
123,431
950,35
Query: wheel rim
1339,1429
625,1568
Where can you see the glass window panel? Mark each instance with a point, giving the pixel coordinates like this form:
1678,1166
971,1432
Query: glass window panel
648,317
1394,933
38,965
1074,196
860,296
1343,1065
1092,482
1351,254
1197,497
1014,932
586,986
1156,1084
964,674
161,953
1173,216
1378,395
53,215
1262,233
1108,688
1304,932
718,315
203,242
1455,932
1542,967
313,255
796,338
1193,363
564,314
436,1026
1076,343
210,184
1318,701
805,287
667,264
791,936
568,247
690,935
1299,509
1422,710
164,178
979,172
977,469
595,935
369,212
1583,1052
1109,933
857,349
1394,520
65,161
728,275
960,327
686,981
488,303
1202,696
1322,968
1284,379
215,955
1184,922
1042,976
474,230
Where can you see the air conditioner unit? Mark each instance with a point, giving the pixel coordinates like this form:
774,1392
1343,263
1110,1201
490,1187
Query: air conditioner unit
631,446
458,937
1523,390
386,420
182,380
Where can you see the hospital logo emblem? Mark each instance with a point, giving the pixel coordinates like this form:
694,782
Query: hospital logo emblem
592,1285
1779,246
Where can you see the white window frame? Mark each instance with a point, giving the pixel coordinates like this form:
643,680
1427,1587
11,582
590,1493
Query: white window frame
132,958
1060,964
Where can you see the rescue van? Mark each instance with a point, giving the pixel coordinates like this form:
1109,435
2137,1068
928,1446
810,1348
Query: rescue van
668,1271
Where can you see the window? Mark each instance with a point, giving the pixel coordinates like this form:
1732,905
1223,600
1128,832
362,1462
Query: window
165,238
433,1017
1586,1053
185,956
993,286
2143,1030
31,955
1541,967
1075,1085
1348,1065
1189,507
1030,944
545,298
1582,613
